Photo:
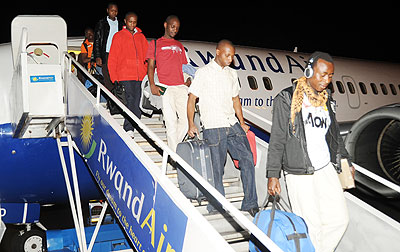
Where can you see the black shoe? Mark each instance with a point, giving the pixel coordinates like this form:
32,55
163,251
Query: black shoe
213,211
253,211
216,211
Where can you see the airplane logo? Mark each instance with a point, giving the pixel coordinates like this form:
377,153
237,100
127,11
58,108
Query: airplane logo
86,136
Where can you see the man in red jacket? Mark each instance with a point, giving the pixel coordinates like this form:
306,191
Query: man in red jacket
127,64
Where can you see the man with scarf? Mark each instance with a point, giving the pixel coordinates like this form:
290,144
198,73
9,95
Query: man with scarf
306,143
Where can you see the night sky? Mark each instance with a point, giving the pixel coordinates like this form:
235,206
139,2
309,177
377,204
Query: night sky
366,32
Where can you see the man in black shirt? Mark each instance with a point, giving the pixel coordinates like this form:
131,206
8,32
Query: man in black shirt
103,34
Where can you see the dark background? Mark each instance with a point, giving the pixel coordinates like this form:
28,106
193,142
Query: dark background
362,31
356,29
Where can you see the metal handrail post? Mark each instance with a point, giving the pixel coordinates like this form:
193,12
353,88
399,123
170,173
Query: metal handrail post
77,193
97,228
69,191
262,237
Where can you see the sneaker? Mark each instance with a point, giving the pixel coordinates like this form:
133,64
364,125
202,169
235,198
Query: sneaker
130,133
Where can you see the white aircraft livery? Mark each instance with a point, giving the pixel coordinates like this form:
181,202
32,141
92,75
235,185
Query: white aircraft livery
60,146
362,89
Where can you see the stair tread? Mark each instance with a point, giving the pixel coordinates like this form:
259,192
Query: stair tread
223,223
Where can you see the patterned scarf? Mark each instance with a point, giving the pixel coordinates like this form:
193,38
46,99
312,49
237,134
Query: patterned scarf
316,99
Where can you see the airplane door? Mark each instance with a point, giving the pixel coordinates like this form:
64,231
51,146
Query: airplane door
353,94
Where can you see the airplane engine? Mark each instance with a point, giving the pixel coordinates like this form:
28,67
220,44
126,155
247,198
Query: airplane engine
374,143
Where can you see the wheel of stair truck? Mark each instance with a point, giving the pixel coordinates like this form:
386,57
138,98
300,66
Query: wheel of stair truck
29,241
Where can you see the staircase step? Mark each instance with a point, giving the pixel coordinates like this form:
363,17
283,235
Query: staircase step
223,223
235,236
241,246
140,138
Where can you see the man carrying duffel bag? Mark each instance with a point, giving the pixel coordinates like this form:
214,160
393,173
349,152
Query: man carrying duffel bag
285,228
306,144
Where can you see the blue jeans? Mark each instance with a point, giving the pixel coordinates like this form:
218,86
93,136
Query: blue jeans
234,140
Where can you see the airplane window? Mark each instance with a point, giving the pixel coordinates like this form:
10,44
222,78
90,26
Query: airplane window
384,90
374,89
252,82
393,89
363,87
351,87
267,83
340,87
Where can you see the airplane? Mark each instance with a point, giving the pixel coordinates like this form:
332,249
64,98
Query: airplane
368,111
367,95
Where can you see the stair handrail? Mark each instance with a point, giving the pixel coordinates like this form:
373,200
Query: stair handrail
228,207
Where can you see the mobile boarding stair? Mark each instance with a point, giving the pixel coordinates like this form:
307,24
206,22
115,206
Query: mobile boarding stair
38,56
140,185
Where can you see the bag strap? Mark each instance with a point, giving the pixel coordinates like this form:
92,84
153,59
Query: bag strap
93,70
281,204
278,202
295,236
155,51
187,137
272,216
268,200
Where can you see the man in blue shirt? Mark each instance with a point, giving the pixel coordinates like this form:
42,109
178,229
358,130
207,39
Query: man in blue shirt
103,34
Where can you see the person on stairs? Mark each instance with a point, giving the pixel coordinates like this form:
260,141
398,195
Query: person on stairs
127,64
306,143
217,87
104,32
167,55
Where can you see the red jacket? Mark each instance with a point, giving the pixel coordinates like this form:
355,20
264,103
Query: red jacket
127,57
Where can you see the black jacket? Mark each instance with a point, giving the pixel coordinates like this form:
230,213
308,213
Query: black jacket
288,151
101,32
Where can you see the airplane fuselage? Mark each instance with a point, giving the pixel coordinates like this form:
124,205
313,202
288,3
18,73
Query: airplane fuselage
359,86
31,169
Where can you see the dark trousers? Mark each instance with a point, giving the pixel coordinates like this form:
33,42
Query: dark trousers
104,69
133,92
234,140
